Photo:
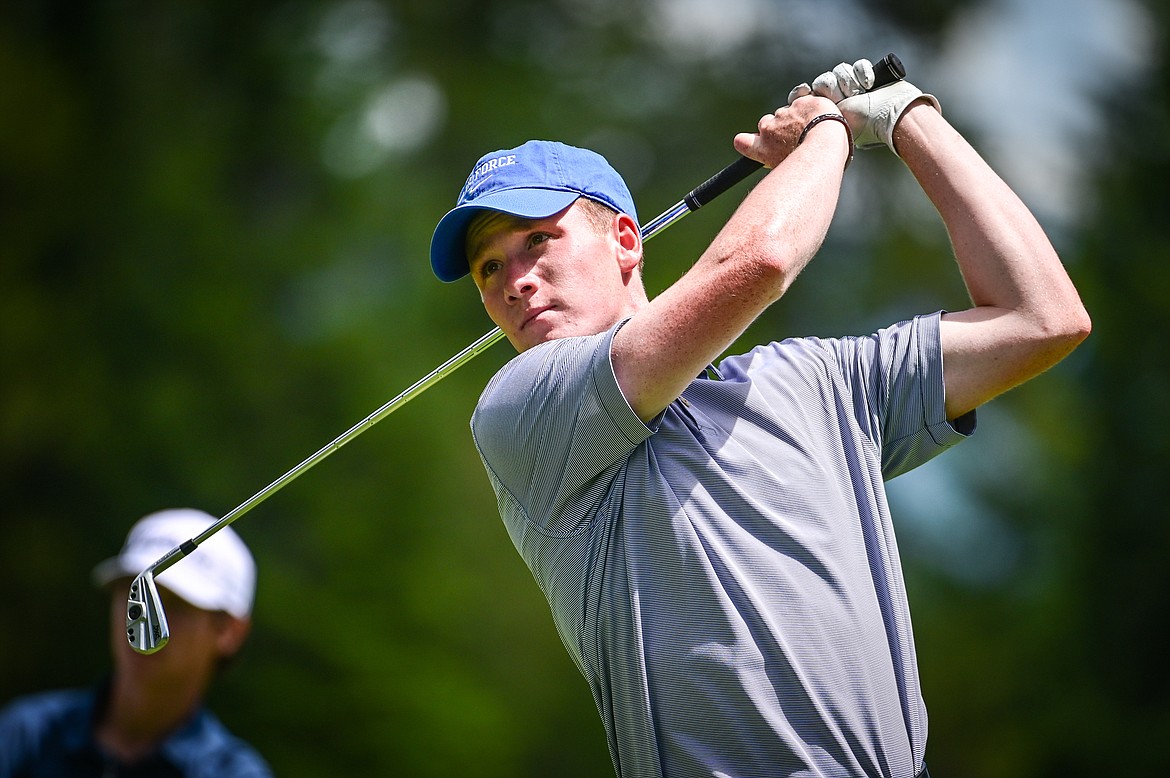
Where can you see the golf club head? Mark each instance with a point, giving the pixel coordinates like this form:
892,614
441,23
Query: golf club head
146,624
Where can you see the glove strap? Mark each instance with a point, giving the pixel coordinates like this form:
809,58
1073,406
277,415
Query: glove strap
836,117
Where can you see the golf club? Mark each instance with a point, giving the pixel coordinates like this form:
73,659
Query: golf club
146,623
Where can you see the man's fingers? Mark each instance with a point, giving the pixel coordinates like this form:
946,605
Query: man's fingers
843,81
798,91
863,72
846,80
826,85
746,142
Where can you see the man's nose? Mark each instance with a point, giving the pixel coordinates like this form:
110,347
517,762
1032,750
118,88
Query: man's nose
523,285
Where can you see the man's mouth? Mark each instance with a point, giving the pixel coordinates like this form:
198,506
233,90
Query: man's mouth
532,314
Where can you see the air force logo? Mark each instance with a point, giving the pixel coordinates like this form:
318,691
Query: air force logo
483,173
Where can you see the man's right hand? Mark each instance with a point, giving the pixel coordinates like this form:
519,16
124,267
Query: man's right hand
779,133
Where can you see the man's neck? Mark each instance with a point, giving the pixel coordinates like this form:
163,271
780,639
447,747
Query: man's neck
137,719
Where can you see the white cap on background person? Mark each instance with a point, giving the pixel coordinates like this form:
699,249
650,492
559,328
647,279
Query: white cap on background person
219,575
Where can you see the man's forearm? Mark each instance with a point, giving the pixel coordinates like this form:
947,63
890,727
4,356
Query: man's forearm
1006,259
787,215
1027,314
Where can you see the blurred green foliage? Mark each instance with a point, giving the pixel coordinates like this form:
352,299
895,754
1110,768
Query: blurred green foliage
214,221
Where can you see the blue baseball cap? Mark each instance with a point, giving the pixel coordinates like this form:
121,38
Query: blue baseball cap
532,181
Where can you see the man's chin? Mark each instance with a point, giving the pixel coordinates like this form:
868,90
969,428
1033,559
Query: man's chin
533,333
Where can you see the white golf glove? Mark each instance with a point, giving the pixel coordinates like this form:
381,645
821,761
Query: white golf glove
871,115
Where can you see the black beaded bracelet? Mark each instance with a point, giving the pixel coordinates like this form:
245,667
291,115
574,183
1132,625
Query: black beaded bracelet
836,117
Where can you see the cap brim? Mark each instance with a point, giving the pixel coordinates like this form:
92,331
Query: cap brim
448,252
110,570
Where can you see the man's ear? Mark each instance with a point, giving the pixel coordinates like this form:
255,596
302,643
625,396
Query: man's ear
629,240
232,633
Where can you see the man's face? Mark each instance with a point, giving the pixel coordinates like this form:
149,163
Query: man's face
562,276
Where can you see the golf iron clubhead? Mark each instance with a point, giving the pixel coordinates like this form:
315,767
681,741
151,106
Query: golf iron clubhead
146,624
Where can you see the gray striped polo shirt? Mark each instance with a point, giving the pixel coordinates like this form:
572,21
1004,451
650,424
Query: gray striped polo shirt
727,578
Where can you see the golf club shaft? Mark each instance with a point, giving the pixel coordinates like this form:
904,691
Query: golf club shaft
414,390
886,71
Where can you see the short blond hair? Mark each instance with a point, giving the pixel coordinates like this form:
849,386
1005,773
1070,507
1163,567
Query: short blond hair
599,214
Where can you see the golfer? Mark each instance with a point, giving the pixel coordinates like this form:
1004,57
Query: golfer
147,719
715,543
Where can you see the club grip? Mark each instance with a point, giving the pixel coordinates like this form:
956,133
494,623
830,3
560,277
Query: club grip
886,71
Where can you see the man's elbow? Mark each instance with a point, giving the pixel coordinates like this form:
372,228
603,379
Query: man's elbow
1076,325
1063,331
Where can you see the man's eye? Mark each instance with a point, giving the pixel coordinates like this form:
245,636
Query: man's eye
489,268
537,238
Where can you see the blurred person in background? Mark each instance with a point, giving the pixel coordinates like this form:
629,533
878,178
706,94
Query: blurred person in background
147,718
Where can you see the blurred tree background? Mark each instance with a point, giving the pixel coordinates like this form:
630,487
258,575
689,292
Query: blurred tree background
214,221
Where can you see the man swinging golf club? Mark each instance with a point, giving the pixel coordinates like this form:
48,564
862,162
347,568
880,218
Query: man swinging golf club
717,551
147,630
